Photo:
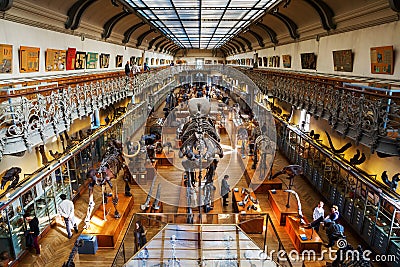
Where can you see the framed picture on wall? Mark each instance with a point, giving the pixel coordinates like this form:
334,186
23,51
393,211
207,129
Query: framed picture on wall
343,60
29,59
91,60
118,61
208,61
259,62
308,61
80,60
71,58
287,61
271,62
132,60
382,60
5,58
265,61
104,61
55,59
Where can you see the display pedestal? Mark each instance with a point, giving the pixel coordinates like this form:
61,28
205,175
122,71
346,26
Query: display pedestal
107,232
294,229
249,220
278,203
166,159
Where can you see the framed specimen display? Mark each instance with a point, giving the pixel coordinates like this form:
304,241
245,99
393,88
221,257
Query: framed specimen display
118,61
265,61
343,60
287,61
271,62
5,58
80,60
276,62
260,62
308,61
104,61
71,56
382,60
207,61
29,59
91,60
55,59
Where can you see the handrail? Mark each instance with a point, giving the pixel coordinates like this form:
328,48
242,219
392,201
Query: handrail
392,197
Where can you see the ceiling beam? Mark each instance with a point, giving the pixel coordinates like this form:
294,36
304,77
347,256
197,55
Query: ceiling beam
163,46
237,47
160,43
290,24
240,43
224,51
142,36
230,48
109,25
325,13
5,5
128,33
75,13
258,37
154,40
271,33
395,5
246,41
168,46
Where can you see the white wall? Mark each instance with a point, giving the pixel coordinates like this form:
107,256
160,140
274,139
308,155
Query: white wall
359,41
23,35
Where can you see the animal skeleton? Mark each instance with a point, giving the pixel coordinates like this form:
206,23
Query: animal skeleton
112,160
200,145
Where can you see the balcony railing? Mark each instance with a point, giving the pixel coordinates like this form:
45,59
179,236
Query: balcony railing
368,115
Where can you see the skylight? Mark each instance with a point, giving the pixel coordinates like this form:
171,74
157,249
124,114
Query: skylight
204,24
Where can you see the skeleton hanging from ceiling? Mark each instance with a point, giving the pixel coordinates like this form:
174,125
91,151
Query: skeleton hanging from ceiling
112,162
200,145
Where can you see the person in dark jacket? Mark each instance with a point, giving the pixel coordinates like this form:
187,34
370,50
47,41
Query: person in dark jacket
334,231
33,230
140,236
127,69
225,190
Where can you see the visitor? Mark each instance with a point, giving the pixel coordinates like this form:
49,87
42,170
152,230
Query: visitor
33,230
66,210
332,217
318,213
127,69
225,190
140,236
334,231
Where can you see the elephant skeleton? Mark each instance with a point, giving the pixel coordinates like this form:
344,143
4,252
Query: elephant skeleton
112,162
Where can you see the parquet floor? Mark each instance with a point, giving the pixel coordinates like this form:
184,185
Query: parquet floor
56,247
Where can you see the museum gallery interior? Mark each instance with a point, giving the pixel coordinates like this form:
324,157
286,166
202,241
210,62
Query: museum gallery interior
199,133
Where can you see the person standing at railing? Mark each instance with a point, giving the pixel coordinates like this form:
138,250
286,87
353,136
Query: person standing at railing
127,69
33,231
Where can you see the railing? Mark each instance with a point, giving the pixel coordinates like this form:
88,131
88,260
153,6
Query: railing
32,116
266,242
368,115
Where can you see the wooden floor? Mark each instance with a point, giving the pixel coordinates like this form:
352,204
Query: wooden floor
56,247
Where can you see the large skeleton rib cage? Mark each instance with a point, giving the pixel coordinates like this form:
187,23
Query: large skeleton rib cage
200,145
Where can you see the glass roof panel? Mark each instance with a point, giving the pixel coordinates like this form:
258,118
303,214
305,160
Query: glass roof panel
201,23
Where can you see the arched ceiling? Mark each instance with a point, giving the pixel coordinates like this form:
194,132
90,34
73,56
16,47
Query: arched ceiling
204,23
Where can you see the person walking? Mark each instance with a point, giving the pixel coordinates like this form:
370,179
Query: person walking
225,189
33,230
66,210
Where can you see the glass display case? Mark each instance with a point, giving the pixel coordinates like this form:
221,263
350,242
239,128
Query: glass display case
40,195
368,207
